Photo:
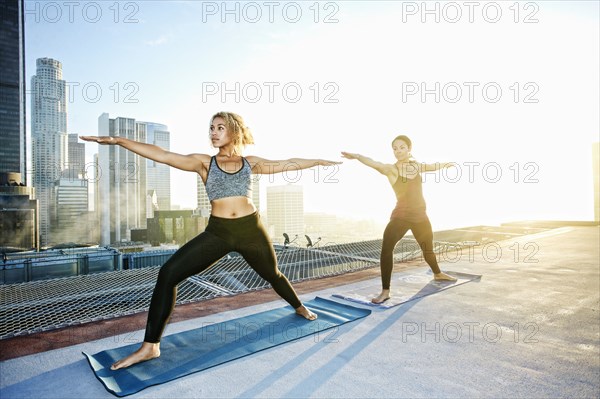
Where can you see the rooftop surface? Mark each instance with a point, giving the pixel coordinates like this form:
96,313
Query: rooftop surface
529,328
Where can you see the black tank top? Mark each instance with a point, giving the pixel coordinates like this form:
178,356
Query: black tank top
410,203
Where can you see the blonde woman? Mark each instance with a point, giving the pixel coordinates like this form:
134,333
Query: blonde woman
234,223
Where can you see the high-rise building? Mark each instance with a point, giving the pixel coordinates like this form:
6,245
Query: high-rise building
151,203
48,136
285,212
121,183
96,233
70,224
76,158
12,89
18,214
18,210
158,175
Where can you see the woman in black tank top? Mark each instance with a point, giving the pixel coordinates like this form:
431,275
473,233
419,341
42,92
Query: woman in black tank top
410,212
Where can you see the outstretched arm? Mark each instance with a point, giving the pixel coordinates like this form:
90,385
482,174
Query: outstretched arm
268,167
191,163
382,168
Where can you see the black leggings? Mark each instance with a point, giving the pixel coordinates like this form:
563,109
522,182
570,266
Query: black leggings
245,235
394,231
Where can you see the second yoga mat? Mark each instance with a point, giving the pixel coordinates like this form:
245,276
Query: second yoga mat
407,287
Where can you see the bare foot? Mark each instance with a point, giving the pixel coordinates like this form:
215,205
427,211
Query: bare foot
443,277
381,298
147,351
307,314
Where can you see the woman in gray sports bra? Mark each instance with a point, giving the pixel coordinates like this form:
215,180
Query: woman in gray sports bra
234,223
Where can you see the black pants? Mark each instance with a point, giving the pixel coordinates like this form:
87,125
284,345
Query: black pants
245,235
394,231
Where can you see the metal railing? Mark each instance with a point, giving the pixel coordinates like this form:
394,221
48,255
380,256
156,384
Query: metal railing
36,306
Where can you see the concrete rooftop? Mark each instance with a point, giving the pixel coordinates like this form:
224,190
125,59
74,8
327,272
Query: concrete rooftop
529,328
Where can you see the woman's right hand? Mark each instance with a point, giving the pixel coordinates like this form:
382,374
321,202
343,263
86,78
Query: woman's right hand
349,155
100,139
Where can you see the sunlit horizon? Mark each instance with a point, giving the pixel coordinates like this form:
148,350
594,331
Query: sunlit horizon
356,77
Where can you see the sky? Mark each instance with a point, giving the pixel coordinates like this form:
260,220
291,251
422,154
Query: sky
507,90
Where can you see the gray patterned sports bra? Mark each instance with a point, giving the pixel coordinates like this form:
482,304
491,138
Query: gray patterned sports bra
221,184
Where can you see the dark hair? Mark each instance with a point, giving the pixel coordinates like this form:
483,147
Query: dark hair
405,139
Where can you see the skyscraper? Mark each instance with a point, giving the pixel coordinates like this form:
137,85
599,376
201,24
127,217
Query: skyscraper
158,174
285,211
71,218
76,163
18,211
12,89
48,136
70,197
121,181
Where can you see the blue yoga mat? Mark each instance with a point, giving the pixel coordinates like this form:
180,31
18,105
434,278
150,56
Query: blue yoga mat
407,287
199,349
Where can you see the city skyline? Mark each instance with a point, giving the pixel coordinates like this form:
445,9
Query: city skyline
127,188
508,169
